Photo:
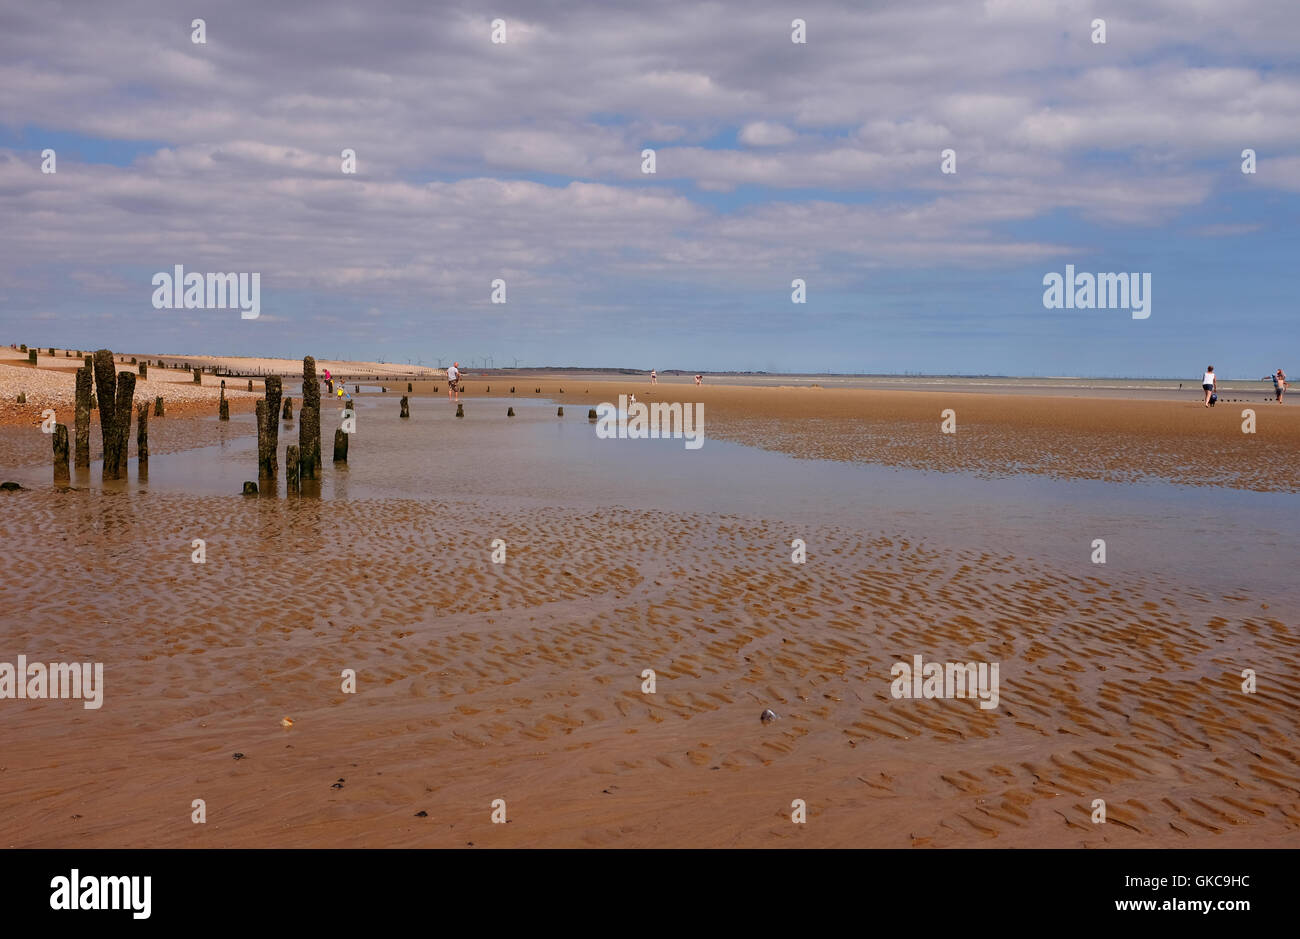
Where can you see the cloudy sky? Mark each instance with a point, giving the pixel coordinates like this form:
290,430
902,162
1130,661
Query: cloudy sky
775,160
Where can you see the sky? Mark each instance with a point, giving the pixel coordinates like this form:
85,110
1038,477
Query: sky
774,161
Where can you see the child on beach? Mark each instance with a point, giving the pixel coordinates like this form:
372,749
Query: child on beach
1209,384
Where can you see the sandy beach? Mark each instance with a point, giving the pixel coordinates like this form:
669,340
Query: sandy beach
523,680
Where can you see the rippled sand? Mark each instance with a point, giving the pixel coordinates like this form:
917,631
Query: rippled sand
522,682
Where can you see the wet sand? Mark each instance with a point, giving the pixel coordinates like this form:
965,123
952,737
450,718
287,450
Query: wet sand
522,681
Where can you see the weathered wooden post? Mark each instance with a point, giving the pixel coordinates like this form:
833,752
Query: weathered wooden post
591,415
82,457
61,474
31,356
144,369
115,450
309,422
223,405
198,376
291,467
106,391
559,412
406,408
142,439
158,406
250,488
288,409
250,384
460,409
408,387
340,445
272,391
510,412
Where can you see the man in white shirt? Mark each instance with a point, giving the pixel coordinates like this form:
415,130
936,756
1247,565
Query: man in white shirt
453,382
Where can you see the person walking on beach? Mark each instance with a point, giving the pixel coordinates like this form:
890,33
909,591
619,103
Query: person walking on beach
453,382
1279,384
699,379
1209,384
654,377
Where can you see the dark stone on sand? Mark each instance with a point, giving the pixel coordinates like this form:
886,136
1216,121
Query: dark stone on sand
591,414
340,445
22,397
421,814
9,486
250,489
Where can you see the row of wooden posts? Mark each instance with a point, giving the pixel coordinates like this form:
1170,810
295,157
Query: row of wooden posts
115,394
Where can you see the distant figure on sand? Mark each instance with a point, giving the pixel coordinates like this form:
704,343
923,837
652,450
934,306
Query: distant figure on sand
453,381
699,379
1209,384
1279,384
654,377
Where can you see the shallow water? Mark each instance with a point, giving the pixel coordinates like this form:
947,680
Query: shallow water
1219,540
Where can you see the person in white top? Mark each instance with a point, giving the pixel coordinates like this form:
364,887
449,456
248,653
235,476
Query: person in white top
654,377
1209,384
453,382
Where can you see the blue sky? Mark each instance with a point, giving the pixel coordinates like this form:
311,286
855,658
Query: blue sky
775,161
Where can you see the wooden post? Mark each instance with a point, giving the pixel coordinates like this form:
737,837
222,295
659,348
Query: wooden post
198,377
406,408
291,467
460,410
158,406
340,445
84,380
559,412
61,474
31,356
288,409
106,391
271,391
309,422
144,369
510,412
142,439
115,455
